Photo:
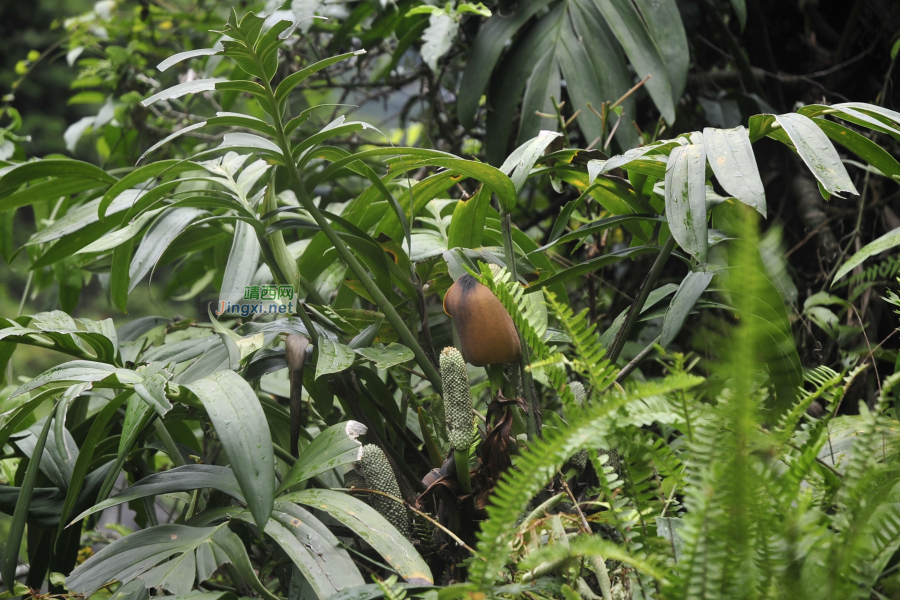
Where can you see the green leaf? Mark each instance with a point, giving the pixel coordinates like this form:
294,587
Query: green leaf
83,462
385,357
169,138
119,281
135,554
490,176
889,240
178,479
153,391
338,445
17,526
591,265
889,117
519,164
65,336
326,566
653,299
477,9
740,9
628,27
686,199
613,75
81,216
663,20
177,91
101,374
333,357
241,424
527,60
692,286
863,147
371,527
467,223
598,226
234,548
122,235
66,450
15,417
485,53
438,38
39,169
242,263
817,152
182,56
52,189
423,10
731,157
157,239
294,79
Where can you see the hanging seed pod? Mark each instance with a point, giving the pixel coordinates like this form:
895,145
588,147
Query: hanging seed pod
458,409
376,470
486,331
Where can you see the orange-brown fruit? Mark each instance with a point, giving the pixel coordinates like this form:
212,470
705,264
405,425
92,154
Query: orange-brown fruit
486,331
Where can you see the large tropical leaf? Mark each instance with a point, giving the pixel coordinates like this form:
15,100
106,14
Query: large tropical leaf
241,425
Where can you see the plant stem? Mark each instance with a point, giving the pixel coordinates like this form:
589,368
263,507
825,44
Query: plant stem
169,443
343,251
619,341
627,369
562,121
461,458
524,360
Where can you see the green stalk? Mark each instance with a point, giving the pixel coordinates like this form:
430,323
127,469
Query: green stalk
461,458
524,360
343,251
284,262
619,341
169,443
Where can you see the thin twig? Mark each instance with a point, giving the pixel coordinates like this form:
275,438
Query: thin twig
415,510
631,366
585,526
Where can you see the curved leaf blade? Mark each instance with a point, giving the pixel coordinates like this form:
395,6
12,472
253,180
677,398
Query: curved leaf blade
371,527
816,150
690,290
889,240
241,424
731,157
686,199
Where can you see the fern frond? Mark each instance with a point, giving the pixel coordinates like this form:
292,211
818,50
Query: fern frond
590,354
883,535
704,559
802,464
825,380
536,466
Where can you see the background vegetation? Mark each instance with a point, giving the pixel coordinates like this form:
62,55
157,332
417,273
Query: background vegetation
690,210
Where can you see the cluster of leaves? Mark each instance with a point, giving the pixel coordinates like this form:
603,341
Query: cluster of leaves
682,486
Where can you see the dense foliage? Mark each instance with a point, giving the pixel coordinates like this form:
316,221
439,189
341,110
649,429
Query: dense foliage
344,220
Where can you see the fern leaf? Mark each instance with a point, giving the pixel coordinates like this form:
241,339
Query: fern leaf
534,469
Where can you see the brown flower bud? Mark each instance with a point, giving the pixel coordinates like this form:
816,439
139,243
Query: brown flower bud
486,331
